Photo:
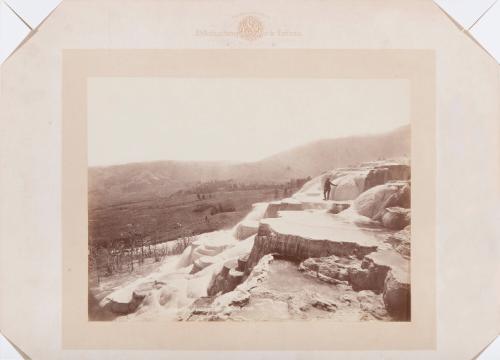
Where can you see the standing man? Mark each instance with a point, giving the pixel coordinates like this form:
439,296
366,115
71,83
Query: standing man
327,188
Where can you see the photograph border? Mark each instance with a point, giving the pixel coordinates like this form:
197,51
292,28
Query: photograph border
417,66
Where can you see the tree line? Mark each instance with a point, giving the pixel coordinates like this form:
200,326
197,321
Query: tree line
131,251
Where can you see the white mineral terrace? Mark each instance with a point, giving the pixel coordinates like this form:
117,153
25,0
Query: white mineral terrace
399,266
173,287
321,225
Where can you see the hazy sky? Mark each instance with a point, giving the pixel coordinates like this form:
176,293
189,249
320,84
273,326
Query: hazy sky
144,119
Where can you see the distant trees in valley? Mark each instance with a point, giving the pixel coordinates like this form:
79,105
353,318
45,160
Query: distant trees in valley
208,190
125,237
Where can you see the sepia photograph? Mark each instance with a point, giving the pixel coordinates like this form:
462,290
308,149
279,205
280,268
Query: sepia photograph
181,180
249,199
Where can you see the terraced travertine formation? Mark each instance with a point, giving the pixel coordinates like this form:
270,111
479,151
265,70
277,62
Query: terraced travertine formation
350,256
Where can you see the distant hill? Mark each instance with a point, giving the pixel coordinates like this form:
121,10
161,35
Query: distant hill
140,181
323,155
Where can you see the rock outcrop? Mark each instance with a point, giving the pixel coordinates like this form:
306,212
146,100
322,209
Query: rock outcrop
125,307
381,272
397,297
396,218
298,248
384,173
361,275
352,182
223,298
396,289
287,204
373,202
274,290
227,279
214,248
246,228
401,241
338,206
329,269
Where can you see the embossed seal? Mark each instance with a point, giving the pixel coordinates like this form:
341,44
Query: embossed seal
250,28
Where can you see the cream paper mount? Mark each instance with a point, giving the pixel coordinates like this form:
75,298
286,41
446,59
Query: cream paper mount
466,113
415,66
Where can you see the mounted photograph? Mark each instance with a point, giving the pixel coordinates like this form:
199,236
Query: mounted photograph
249,199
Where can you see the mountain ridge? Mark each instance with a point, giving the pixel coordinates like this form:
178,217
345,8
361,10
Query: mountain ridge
142,180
